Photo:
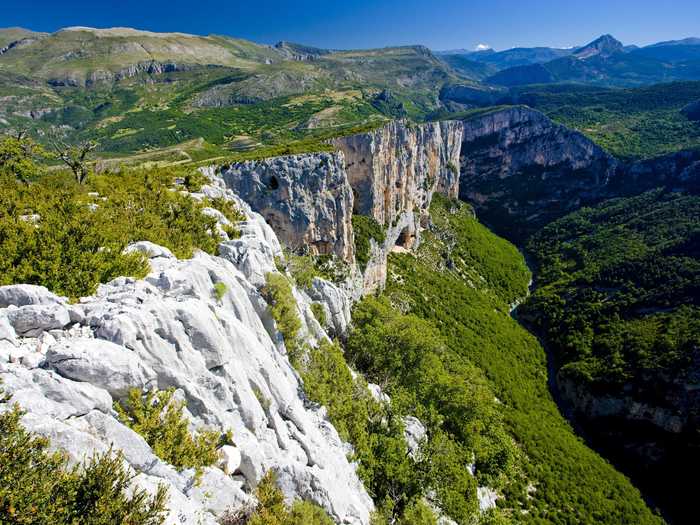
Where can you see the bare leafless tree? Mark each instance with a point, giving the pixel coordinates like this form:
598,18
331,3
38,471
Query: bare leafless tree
75,156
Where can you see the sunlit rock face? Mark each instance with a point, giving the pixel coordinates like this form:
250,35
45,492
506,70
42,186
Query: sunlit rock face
66,364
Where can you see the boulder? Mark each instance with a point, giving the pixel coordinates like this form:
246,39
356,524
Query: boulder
100,363
230,459
149,249
32,320
7,333
27,294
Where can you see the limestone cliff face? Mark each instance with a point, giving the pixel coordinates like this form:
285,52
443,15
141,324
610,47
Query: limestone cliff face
520,170
675,171
305,198
389,174
394,172
396,169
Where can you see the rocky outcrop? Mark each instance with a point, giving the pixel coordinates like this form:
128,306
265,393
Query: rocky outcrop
396,169
99,76
66,365
394,172
389,174
305,198
679,171
520,170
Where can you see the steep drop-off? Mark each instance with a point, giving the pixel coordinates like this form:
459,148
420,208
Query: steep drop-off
521,171
389,175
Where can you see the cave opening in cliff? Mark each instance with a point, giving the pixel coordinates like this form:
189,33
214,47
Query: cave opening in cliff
404,240
273,184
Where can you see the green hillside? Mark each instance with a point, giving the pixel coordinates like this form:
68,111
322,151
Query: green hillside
618,302
630,123
138,93
461,283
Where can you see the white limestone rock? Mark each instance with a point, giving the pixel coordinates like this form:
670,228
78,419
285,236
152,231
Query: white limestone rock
32,320
414,433
336,303
7,332
230,459
487,498
27,294
101,363
224,357
149,249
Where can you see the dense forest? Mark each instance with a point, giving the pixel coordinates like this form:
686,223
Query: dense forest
617,301
457,291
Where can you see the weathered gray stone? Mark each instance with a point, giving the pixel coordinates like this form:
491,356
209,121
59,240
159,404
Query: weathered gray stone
149,249
27,294
101,363
305,198
32,320
225,358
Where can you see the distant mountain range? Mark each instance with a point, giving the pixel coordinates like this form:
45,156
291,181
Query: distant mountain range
137,91
605,61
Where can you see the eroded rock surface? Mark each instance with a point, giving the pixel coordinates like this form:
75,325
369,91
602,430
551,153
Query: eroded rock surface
223,356
520,170
305,198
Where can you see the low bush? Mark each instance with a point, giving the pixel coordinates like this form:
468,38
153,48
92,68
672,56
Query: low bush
283,308
319,313
271,509
366,228
219,290
39,487
70,237
160,420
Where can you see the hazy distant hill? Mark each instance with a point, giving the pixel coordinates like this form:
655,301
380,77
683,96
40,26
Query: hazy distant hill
606,62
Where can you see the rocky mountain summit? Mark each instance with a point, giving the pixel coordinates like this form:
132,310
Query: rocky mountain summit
603,46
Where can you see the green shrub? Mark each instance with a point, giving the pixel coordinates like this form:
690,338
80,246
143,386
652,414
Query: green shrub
319,313
220,290
308,513
160,420
302,268
194,180
54,234
481,381
264,401
232,231
283,308
38,487
366,228
374,430
18,158
418,513
271,509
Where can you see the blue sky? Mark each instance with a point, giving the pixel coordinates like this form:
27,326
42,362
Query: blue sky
439,24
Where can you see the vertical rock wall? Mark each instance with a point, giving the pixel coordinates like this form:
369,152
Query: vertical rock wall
395,170
305,198
389,174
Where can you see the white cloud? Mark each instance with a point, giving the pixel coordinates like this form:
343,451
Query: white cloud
483,47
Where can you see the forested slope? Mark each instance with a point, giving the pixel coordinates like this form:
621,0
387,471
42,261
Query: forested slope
461,283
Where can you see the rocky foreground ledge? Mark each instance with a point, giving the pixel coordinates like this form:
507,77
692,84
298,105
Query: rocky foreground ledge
66,364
